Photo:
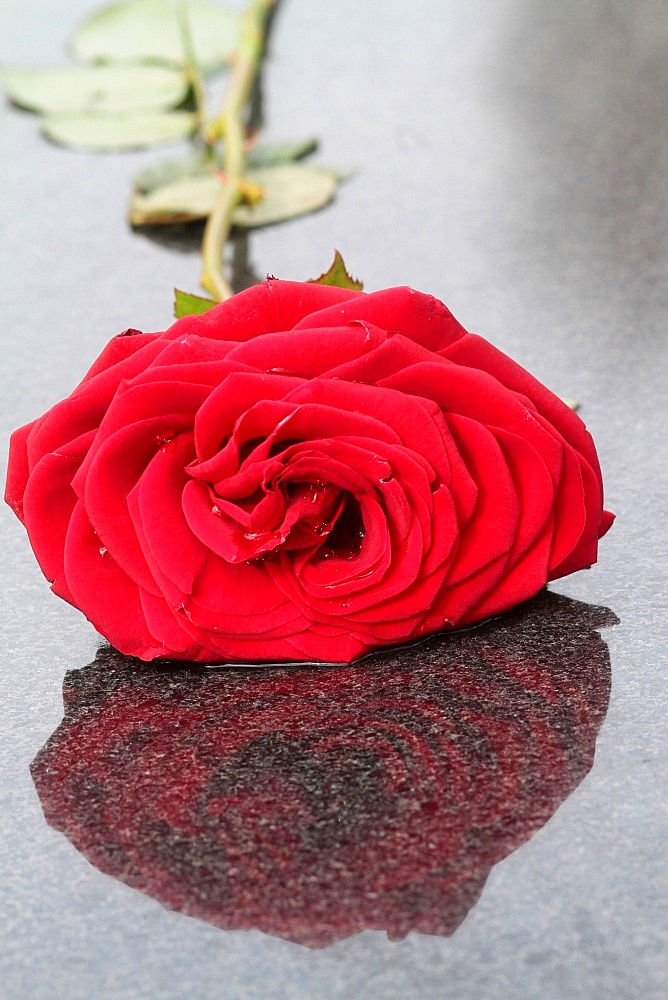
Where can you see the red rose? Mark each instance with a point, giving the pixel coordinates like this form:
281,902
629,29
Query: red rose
315,803
304,473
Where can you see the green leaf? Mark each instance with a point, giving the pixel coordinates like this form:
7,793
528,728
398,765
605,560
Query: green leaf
160,174
187,304
180,201
288,190
148,31
338,275
271,154
109,132
66,89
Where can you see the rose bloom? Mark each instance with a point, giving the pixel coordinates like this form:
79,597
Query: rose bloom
304,473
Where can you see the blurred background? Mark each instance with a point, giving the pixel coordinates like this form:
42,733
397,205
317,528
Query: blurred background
510,158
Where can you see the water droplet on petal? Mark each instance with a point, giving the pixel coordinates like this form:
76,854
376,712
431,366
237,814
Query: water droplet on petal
103,550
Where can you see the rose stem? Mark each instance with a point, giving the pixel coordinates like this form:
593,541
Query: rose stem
192,72
229,126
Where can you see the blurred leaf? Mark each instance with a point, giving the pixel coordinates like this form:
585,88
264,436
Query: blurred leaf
95,88
194,165
289,190
180,201
187,304
338,275
571,403
271,154
148,31
109,132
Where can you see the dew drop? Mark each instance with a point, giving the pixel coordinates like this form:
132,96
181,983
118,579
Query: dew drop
215,509
163,440
386,479
103,550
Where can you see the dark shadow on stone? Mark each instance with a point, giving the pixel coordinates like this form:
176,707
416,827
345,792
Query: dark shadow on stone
184,237
317,802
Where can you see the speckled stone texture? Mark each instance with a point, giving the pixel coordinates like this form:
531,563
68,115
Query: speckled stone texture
314,803
511,159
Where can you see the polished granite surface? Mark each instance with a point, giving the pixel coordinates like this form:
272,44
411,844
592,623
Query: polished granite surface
478,816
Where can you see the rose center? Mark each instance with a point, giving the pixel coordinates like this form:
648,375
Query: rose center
314,520
344,541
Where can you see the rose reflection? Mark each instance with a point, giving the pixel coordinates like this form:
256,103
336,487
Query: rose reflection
314,803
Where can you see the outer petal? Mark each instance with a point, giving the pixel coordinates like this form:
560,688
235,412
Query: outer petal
266,308
421,318
106,595
18,469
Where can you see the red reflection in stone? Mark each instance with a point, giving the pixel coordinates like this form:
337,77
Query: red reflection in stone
313,803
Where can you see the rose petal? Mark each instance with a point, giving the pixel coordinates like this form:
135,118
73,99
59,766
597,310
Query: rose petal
48,503
491,531
164,623
18,470
473,351
116,468
86,407
237,392
155,508
266,308
307,353
107,596
419,317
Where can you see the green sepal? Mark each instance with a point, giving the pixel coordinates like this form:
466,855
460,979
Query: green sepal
338,275
187,304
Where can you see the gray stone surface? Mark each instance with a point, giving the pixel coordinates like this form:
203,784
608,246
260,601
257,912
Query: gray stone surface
511,159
